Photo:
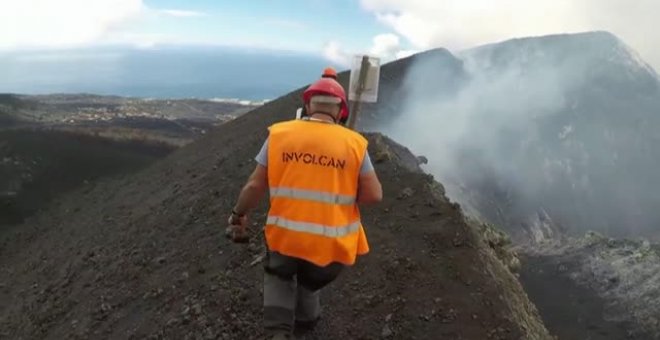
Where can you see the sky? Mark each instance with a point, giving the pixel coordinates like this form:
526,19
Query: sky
335,29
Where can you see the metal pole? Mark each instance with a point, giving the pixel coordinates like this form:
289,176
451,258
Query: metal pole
364,69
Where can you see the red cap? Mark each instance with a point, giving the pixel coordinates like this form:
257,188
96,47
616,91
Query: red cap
329,72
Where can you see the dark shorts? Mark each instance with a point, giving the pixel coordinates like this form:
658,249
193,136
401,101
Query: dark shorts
308,274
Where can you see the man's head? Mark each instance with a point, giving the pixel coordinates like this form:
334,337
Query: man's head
326,97
325,104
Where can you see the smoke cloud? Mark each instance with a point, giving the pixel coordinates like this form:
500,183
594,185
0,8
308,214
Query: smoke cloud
462,24
535,125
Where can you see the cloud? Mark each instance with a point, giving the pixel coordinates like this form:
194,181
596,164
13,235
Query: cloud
76,23
65,23
388,47
335,54
182,13
427,24
462,24
385,45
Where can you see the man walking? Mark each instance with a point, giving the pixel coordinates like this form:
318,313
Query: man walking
317,172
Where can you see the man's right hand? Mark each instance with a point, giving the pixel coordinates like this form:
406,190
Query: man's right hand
237,234
237,229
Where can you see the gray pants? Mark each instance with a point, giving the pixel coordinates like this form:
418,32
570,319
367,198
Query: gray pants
291,291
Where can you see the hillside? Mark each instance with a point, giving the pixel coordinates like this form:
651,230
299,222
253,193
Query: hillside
8,105
38,166
145,256
50,144
617,280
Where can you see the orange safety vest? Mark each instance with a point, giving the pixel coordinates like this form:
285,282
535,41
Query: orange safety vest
313,170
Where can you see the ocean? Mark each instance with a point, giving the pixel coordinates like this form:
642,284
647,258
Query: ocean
175,72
